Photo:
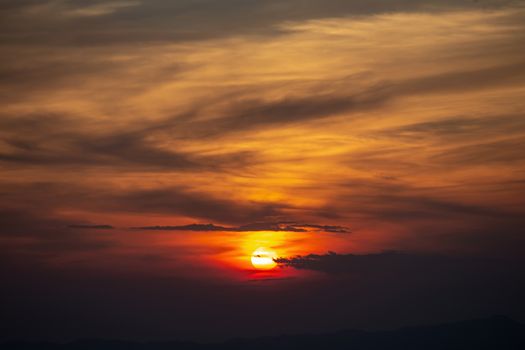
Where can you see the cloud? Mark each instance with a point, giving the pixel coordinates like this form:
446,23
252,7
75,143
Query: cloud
505,152
77,23
392,264
391,199
460,128
260,226
44,235
400,119
268,116
444,145
327,228
254,114
510,73
92,227
100,9
61,142
432,217
49,197
346,263
144,147
196,204
190,227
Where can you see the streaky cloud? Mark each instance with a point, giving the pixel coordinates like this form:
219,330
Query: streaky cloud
259,226
92,227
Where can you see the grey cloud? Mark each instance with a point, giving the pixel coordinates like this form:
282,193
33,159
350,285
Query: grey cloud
349,263
44,235
459,128
247,114
410,206
91,227
185,20
271,226
260,226
399,201
130,147
449,143
190,202
463,150
440,218
392,265
60,142
506,151
327,228
511,73
190,227
21,75
196,204
252,114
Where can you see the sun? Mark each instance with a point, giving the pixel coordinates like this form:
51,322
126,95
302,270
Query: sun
262,259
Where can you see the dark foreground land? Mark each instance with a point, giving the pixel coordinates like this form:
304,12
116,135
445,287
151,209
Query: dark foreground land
497,333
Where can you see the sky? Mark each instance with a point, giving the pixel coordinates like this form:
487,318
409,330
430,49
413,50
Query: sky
375,150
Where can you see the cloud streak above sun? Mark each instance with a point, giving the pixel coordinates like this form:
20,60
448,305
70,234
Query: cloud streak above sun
260,226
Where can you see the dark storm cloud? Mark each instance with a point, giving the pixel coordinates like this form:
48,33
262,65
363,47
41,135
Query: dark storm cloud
260,226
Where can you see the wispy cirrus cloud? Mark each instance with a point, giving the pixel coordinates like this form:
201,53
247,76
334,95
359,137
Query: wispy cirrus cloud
80,24
62,142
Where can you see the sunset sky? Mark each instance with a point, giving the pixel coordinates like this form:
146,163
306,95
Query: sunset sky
148,148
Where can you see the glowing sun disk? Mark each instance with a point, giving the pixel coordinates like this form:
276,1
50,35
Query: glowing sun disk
262,259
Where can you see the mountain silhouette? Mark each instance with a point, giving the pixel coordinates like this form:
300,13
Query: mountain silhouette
496,332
